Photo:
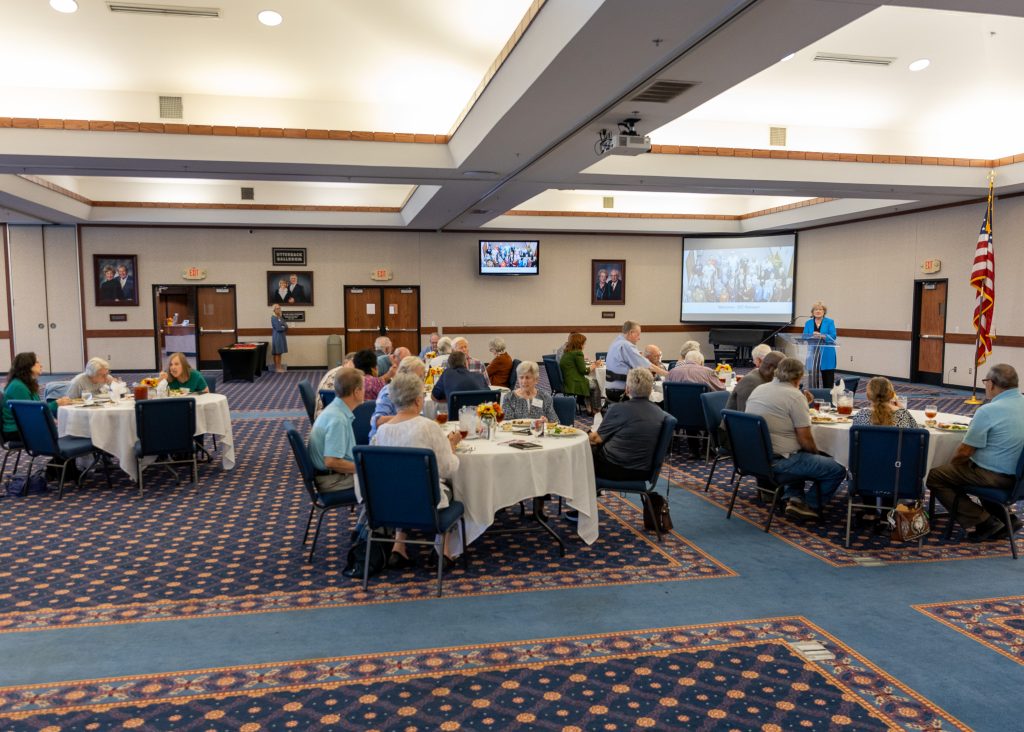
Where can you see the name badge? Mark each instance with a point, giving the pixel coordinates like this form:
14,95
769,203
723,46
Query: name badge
538,402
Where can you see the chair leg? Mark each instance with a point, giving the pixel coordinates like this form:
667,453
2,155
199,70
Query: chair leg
732,501
440,566
316,535
714,464
465,546
309,521
771,511
849,517
952,518
1009,529
195,469
366,559
60,486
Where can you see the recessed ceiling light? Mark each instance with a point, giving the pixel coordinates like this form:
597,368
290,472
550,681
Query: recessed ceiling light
269,17
789,57
920,64
64,6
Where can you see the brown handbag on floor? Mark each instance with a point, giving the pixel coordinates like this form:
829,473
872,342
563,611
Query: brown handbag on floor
659,507
909,523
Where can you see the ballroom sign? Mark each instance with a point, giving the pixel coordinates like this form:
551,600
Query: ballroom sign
931,266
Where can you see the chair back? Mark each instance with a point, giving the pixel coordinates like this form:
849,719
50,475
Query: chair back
554,372
601,355
166,426
876,455
671,364
361,424
668,426
821,394
682,401
850,382
565,408
36,425
513,377
306,469
400,486
55,390
1017,492
308,399
459,399
211,383
712,403
327,396
751,443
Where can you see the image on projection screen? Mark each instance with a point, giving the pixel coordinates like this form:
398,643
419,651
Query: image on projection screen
738,279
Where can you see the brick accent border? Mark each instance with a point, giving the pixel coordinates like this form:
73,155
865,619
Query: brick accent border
692,217
832,157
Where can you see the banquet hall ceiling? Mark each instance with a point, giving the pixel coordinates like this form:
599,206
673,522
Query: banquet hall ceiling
461,115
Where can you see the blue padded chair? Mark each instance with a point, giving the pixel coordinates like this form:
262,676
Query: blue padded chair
682,401
39,434
55,390
166,429
554,372
647,486
601,355
9,446
850,382
1006,498
820,394
513,377
326,397
712,403
459,399
308,396
887,465
669,365
752,456
401,490
322,502
211,383
361,425
565,408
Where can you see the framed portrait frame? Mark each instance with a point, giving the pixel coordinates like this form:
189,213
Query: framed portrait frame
115,278
299,286
602,274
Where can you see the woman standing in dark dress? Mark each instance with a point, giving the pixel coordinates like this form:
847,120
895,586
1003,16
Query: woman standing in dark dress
279,341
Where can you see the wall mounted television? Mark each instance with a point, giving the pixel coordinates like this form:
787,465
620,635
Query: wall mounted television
509,258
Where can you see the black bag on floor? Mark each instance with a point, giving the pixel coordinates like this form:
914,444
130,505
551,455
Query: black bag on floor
379,555
659,507
20,487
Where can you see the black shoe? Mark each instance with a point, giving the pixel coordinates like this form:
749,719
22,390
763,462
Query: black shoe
449,563
400,561
987,530
1015,523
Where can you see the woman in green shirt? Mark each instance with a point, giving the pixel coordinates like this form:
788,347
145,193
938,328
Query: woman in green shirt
179,375
23,383
574,374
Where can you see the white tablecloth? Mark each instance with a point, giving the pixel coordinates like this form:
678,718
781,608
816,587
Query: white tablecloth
598,375
495,475
112,427
835,440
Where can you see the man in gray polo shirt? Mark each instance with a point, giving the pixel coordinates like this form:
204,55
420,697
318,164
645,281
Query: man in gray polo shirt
796,458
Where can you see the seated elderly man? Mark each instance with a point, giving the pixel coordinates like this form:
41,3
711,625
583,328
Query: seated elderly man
331,439
691,370
461,344
385,408
796,457
764,373
987,457
623,356
457,378
444,349
383,348
624,444
653,354
92,380
432,346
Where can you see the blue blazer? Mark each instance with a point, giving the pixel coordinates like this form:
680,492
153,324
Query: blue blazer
828,351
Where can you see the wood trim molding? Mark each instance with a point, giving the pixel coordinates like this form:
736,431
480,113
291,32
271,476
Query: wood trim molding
166,128
121,333
686,216
244,206
293,331
833,157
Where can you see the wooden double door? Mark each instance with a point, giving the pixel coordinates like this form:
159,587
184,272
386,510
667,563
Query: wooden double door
203,319
372,311
928,347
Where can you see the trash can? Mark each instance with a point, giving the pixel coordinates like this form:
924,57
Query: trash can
335,353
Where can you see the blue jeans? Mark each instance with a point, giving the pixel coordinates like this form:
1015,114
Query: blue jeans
800,466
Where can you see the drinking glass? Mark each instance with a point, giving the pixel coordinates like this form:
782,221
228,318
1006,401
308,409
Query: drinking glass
441,414
901,402
845,406
87,397
931,411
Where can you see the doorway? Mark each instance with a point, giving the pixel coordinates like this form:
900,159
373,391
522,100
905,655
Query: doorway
928,340
371,312
196,320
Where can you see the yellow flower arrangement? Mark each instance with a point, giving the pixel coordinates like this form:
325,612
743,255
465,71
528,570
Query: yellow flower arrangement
490,409
723,367
432,374
429,355
149,382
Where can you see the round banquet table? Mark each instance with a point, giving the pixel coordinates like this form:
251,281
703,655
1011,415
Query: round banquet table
942,444
492,476
111,427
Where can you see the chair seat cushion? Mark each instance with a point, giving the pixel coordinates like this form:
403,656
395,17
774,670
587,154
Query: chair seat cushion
445,518
74,446
986,493
630,486
346,497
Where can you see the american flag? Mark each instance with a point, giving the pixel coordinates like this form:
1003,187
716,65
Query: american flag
983,279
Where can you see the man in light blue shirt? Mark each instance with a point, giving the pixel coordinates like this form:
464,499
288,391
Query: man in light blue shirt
432,347
331,440
988,457
385,409
623,355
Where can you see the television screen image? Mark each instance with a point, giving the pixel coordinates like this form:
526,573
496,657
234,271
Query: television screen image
509,257
738,279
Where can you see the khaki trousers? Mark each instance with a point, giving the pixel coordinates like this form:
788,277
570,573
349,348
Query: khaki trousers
945,482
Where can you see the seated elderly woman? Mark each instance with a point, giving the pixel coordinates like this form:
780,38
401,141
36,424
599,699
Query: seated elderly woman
500,367
95,379
527,401
408,429
366,361
385,410
885,409
687,347
624,444
691,370
179,375
444,349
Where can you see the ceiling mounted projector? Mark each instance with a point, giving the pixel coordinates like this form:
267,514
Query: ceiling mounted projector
627,142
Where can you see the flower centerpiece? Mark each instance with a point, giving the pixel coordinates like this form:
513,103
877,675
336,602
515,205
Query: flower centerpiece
490,413
432,373
149,382
429,355
723,368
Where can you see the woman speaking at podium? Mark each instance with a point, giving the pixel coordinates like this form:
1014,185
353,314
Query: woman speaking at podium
820,327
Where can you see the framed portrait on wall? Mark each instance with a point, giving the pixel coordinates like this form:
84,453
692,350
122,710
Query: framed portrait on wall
607,281
289,287
116,278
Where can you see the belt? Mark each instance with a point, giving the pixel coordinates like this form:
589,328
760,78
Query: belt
612,376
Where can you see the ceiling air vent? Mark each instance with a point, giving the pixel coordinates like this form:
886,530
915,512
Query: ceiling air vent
663,91
608,202
171,108
248,194
480,211
777,136
182,11
851,58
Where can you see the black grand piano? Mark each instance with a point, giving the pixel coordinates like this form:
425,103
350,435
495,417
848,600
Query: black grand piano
733,345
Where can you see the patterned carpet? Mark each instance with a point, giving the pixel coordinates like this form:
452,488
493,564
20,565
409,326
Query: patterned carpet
231,545
997,622
741,675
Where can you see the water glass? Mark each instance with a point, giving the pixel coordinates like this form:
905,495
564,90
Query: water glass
87,398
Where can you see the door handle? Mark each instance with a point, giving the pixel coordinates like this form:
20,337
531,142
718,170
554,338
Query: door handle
52,326
204,331
936,337
402,330
42,326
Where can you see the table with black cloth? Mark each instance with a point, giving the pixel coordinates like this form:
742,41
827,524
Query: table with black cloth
239,363
261,358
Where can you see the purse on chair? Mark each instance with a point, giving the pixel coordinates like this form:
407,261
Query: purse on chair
908,523
659,507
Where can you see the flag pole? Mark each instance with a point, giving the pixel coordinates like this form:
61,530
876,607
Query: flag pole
977,329
974,389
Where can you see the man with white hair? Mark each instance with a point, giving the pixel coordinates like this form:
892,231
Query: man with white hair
383,348
760,351
444,350
653,354
385,409
434,338
472,365
92,380
623,446
691,370
623,356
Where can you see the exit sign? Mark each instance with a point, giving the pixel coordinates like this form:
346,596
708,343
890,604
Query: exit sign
381,275
194,273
